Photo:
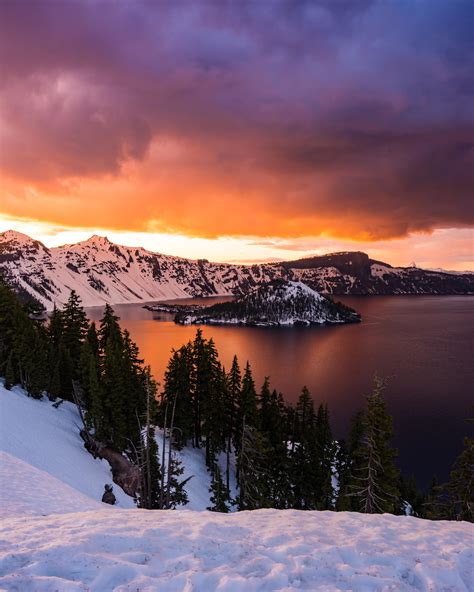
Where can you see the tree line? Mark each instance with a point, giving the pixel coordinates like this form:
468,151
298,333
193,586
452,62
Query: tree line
283,456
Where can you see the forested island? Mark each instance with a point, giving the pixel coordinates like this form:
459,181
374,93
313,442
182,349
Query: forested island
284,456
279,303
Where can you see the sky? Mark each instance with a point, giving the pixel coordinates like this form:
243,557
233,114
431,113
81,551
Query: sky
241,131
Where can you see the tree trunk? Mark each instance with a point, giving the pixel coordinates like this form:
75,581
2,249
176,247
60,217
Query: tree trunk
163,456
124,473
168,485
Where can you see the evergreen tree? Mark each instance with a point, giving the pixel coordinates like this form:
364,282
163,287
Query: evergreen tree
177,386
326,453
246,406
252,470
31,350
74,328
460,487
200,378
176,494
150,494
411,498
23,345
375,477
346,463
213,402
234,385
264,406
456,498
220,496
54,388
343,476
9,372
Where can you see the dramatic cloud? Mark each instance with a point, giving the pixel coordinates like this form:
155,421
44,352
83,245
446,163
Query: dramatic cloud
349,118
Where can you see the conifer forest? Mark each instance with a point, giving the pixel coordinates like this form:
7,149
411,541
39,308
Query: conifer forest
283,456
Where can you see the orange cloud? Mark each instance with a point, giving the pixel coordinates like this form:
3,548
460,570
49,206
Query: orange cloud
270,120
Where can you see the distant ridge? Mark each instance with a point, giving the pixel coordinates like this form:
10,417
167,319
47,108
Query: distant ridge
101,271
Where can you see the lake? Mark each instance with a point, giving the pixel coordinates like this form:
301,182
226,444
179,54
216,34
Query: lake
422,344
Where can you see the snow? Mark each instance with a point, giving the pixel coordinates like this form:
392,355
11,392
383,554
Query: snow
101,271
37,492
105,550
56,536
48,439
280,303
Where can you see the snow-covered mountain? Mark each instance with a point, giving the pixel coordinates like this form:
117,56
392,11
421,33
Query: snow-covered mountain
278,303
101,271
55,534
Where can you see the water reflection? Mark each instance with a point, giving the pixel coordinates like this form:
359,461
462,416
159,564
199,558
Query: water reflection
424,344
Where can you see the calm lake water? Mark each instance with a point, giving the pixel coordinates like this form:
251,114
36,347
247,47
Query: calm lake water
424,345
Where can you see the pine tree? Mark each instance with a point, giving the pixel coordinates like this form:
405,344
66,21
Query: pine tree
247,405
234,385
264,405
177,386
252,470
74,328
10,377
304,416
346,463
343,476
220,496
150,496
375,476
31,350
200,383
23,344
411,498
458,494
326,453
54,388
176,494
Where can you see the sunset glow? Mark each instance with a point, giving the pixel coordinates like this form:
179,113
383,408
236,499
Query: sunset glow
241,133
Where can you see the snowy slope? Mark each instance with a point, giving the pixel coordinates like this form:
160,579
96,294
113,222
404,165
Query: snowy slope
101,271
56,536
48,440
43,438
27,490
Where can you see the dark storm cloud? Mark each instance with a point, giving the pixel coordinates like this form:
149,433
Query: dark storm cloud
359,114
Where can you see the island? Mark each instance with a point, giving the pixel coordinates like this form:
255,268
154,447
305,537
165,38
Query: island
279,303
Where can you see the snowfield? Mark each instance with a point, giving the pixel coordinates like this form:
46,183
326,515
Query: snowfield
56,536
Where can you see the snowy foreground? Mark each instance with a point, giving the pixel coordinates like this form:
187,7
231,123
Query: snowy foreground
56,535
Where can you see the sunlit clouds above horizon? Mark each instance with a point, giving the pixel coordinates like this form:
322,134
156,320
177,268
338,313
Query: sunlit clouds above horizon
243,131
453,247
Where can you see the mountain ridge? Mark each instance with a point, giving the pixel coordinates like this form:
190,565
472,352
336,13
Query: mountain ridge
102,271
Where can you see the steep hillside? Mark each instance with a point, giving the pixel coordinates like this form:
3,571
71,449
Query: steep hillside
279,303
101,271
46,439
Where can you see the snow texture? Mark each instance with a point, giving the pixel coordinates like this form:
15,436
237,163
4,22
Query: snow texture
48,439
101,271
56,536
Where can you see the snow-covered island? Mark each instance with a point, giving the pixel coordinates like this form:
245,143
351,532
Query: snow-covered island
55,534
277,303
